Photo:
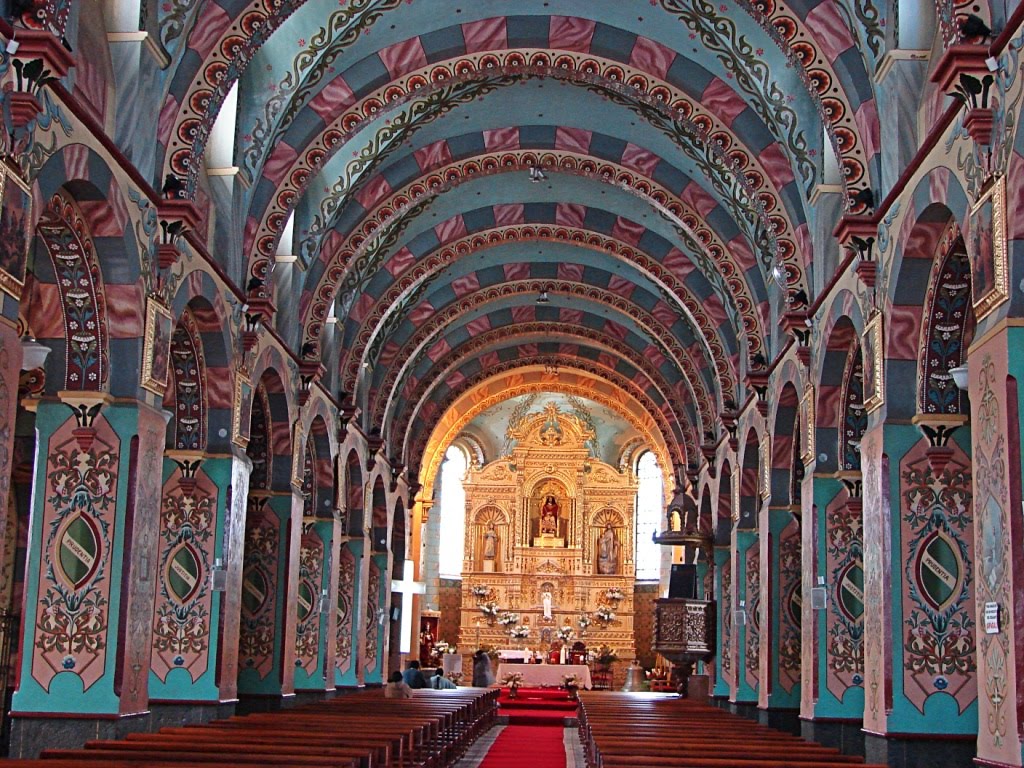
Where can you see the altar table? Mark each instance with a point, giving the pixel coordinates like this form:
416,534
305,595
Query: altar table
514,653
551,675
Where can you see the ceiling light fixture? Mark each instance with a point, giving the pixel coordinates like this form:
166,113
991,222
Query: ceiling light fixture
543,298
537,175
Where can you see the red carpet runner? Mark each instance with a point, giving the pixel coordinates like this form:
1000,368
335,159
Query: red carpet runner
522,746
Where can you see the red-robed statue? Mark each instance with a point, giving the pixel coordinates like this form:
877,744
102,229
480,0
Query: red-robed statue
549,517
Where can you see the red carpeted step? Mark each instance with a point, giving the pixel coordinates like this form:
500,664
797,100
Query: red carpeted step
519,746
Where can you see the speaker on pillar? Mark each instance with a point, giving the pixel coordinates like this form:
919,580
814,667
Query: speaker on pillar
683,581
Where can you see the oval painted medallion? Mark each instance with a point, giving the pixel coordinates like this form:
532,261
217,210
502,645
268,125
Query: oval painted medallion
78,551
183,573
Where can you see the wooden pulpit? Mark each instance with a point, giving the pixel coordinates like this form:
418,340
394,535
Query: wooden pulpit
684,633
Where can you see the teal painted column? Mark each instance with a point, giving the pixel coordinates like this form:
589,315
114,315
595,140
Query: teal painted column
721,688
316,564
779,678
376,631
838,690
746,640
349,602
189,612
921,630
91,570
265,595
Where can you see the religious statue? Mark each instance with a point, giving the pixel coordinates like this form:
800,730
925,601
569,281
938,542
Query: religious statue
546,600
549,517
490,542
608,551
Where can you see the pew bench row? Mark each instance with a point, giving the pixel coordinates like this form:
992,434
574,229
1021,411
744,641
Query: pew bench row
362,730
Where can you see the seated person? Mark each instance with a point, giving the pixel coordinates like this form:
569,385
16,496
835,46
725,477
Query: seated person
396,687
439,682
413,677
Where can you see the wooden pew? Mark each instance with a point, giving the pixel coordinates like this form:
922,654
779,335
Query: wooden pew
361,730
625,730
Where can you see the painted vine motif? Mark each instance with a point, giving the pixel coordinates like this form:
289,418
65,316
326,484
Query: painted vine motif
938,604
790,599
855,418
753,628
188,369
307,628
80,285
346,596
727,673
181,631
74,588
259,588
845,621
949,308
990,467
372,626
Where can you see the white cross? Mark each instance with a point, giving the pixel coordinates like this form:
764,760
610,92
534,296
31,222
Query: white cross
407,587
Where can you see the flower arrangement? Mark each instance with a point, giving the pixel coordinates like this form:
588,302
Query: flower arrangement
442,647
519,631
507,619
584,621
490,610
513,679
614,594
455,677
480,591
565,633
606,655
605,614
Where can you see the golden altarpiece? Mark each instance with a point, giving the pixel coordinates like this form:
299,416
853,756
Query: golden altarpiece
549,537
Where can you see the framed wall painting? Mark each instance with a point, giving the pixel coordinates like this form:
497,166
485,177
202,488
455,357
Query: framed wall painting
987,224
241,412
15,220
874,362
156,350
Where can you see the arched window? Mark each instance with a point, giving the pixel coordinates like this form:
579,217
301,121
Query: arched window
453,514
649,508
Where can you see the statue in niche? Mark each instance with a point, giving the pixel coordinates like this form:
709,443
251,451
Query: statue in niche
490,542
546,600
549,517
608,551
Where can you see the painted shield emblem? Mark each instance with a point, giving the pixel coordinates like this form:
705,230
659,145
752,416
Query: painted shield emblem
794,604
851,590
939,570
306,599
254,590
183,571
78,551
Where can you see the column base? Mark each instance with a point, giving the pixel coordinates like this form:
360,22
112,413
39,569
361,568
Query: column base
31,735
920,751
844,735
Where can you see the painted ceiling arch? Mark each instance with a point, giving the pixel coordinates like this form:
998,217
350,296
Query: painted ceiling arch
718,343
394,141
536,337
502,305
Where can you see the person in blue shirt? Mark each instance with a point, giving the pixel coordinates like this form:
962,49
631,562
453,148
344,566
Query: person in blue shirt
439,682
413,677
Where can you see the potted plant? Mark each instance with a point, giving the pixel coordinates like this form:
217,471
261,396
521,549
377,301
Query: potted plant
605,615
572,687
513,680
490,611
604,657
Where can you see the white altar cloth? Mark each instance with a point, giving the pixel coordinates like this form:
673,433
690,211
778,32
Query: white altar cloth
551,675
513,653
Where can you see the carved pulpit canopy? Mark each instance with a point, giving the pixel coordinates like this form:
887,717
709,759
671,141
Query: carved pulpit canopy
552,429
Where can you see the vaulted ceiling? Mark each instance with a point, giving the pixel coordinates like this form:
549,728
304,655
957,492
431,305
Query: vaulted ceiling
391,148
